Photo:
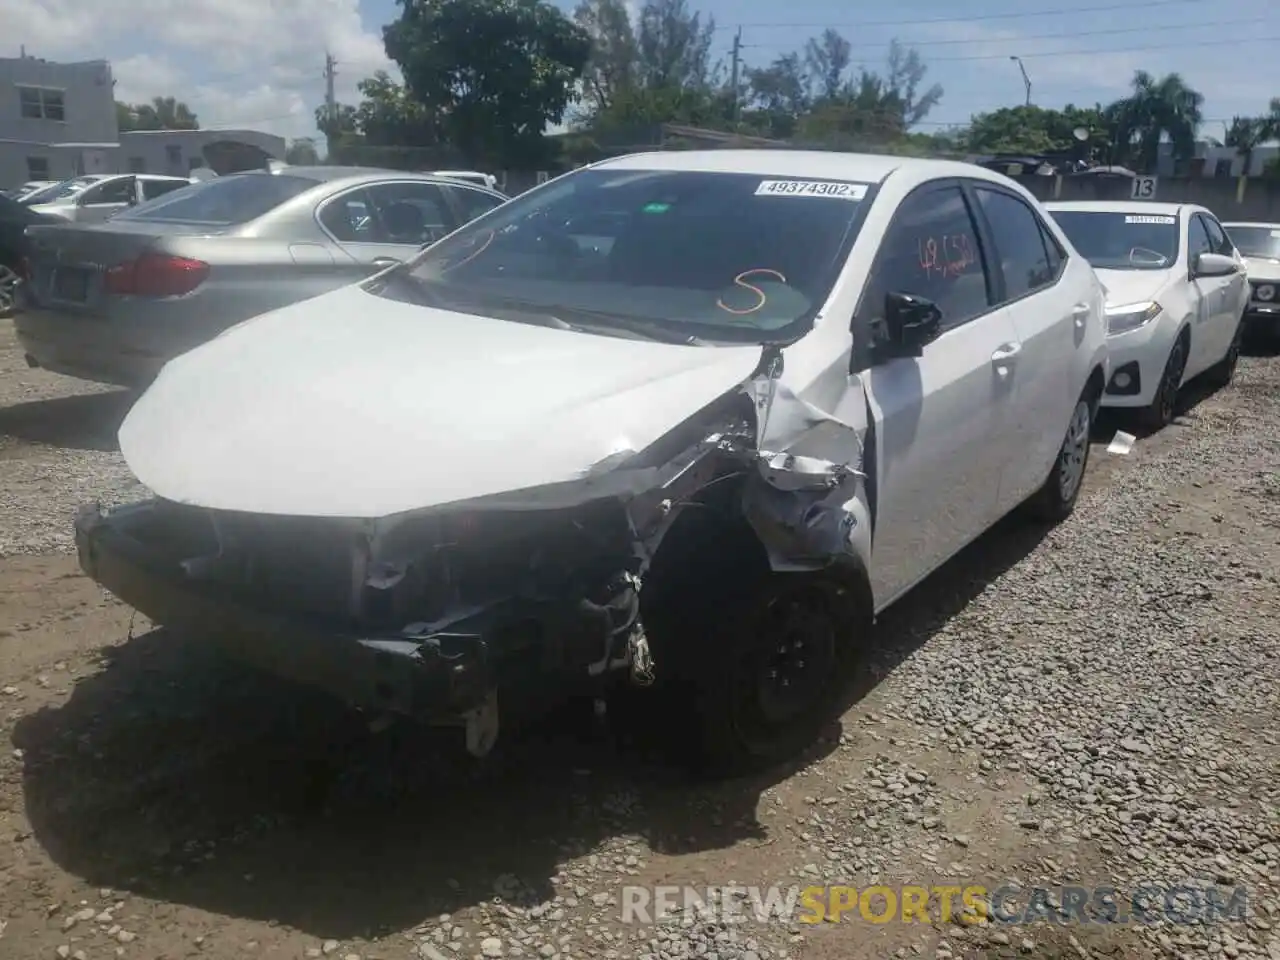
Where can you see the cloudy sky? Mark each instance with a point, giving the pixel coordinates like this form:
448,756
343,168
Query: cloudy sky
259,63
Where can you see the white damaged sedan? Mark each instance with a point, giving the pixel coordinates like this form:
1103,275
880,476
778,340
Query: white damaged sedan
1176,296
677,425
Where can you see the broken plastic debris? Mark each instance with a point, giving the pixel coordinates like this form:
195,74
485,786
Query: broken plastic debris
1122,443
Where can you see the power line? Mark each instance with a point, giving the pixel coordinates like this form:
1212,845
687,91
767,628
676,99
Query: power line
1186,45
1058,36
917,21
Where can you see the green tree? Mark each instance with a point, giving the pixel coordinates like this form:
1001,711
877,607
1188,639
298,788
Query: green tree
1244,135
497,72
302,153
340,126
162,113
1156,109
1033,129
388,117
615,54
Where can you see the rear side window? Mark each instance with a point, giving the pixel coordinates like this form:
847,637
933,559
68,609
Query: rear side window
158,188
225,201
932,250
473,203
1019,242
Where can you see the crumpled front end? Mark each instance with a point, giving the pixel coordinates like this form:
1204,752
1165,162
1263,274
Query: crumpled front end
431,613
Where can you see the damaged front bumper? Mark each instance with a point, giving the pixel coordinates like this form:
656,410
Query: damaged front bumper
445,676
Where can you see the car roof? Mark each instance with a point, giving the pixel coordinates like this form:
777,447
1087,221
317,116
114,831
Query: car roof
824,164
1121,206
1251,223
332,174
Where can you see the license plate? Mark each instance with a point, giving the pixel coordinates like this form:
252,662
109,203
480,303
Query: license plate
71,284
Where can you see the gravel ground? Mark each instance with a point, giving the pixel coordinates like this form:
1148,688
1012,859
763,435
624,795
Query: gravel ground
1098,706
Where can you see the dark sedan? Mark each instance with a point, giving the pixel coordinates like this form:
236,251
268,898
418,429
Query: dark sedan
14,220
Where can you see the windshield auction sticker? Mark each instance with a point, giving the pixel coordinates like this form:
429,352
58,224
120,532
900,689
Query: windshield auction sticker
1150,219
829,189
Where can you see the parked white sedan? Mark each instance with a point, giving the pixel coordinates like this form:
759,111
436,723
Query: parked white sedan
690,418
1260,245
1176,295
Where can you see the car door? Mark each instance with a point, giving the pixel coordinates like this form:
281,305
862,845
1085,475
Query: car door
150,188
1235,290
938,417
1208,294
396,219
1049,318
104,200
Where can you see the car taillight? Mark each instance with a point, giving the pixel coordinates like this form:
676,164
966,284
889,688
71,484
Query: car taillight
156,275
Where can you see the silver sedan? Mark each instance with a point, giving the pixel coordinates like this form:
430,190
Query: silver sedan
113,302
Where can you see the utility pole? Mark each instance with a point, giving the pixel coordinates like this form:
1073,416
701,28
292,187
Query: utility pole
1026,81
330,99
736,70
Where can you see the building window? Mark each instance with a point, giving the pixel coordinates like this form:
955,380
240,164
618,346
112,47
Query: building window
41,103
174,154
37,168
137,165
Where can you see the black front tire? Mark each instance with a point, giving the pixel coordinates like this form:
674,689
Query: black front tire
1165,405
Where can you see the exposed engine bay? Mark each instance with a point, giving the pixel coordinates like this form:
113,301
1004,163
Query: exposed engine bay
505,591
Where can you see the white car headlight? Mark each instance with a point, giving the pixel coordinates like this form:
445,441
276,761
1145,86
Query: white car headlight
1131,316
1266,291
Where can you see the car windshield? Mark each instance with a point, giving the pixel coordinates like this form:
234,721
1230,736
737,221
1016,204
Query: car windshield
1121,240
225,201
1263,242
62,190
669,254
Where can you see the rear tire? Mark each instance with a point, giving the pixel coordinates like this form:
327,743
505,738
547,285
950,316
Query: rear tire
1223,372
1165,405
8,290
1056,500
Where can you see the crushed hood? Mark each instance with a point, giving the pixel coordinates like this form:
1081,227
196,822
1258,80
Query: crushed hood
350,405
1132,286
1264,269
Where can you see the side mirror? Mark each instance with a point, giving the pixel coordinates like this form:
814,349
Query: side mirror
1213,265
911,323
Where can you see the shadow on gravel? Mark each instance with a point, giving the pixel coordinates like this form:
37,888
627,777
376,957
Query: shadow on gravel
183,777
82,422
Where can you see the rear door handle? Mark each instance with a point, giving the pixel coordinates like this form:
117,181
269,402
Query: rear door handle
1005,357
383,262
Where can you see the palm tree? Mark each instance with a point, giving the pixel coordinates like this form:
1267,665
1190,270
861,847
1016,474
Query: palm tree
1156,109
1245,134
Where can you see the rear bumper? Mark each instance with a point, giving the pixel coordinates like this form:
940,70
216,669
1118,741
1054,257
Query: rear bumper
439,677
89,348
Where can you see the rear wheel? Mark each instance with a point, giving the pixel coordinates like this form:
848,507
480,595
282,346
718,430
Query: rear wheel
1161,412
1223,372
1055,501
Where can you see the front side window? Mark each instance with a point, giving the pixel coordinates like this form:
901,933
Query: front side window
63,190
707,256
409,213
1122,240
1198,241
1019,243
1261,242
112,191
1218,240
473,203
932,250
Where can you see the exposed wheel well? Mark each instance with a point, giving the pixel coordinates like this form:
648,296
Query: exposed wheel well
1095,384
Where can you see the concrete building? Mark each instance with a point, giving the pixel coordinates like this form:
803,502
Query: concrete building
58,120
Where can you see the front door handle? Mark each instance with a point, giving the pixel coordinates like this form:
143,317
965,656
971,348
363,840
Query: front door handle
1004,358
1080,314
383,262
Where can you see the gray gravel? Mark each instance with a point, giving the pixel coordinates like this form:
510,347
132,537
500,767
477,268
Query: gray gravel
1105,711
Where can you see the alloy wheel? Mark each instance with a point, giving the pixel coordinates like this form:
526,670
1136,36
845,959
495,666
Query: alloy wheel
1075,451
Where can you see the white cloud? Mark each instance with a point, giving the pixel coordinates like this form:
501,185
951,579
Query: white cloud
250,63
